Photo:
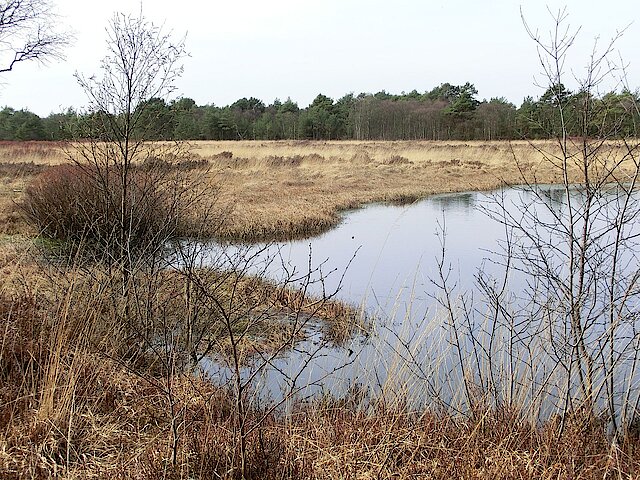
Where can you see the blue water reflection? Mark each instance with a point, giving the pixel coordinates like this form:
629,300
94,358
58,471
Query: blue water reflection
385,259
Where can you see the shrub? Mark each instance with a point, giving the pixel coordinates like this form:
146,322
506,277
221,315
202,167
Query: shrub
279,161
225,155
194,162
90,207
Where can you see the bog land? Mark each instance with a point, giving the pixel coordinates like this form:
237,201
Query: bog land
83,396
292,189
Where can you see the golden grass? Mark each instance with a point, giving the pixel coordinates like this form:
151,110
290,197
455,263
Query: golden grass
11,189
292,189
41,153
335,441
72,406
296,189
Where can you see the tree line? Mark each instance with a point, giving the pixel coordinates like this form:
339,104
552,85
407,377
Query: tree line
446,112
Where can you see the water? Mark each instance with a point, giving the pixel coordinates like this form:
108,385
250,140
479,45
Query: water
384,254
386,259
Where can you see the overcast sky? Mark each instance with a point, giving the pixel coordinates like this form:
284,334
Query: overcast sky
278,48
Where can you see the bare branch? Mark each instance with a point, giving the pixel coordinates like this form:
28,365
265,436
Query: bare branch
28,32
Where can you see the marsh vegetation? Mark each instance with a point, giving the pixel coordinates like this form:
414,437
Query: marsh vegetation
113,320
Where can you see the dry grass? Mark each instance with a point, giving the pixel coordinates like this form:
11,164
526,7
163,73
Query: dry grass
68,412
69,408
333,440
40,153
339,320
19,163
72,405
295,189
292,189
14,177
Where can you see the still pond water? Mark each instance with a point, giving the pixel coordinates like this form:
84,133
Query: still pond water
384,258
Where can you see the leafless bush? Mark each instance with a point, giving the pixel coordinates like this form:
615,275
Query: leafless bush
558,331
77,204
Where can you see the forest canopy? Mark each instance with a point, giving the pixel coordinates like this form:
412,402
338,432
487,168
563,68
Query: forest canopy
446,112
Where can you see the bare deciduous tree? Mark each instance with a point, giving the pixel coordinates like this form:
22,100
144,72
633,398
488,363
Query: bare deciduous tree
576,248
142,63
28,32
559,331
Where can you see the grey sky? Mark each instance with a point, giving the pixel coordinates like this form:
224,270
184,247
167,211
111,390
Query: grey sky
298,48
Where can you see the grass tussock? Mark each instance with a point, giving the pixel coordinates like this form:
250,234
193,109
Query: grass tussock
264,314
339,320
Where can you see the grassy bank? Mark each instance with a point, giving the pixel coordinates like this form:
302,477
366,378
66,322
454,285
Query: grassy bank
292,189
93,384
